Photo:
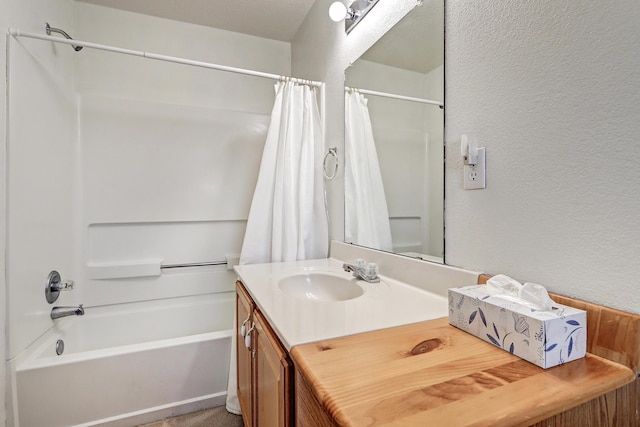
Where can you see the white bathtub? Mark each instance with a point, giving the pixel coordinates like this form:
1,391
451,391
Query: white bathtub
127,364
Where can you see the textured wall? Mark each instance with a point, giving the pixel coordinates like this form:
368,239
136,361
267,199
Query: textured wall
551,89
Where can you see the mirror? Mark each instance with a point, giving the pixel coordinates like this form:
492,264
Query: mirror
394,171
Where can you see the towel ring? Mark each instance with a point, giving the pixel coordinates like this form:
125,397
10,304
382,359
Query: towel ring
333,152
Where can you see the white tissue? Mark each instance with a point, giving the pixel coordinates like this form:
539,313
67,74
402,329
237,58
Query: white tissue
530,294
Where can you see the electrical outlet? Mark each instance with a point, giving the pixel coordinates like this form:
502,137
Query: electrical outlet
474,175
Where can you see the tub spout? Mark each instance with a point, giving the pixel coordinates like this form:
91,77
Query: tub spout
58,312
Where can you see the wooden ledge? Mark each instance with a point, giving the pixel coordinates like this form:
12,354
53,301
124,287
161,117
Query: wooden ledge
431,373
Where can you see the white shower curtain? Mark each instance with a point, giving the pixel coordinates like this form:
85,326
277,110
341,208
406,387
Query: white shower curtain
287,218
366,212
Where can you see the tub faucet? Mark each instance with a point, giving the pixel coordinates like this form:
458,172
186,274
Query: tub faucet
58,312
361,270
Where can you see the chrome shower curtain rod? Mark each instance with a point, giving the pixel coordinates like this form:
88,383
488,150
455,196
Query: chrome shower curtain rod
17,33
394,96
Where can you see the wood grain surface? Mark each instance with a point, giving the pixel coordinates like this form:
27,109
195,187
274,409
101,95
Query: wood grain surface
618,408
612,334
431,373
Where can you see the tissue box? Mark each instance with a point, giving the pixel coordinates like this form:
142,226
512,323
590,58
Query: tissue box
544,338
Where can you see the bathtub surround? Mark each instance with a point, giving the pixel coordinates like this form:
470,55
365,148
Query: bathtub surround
40,90
40,93
170,212
148,156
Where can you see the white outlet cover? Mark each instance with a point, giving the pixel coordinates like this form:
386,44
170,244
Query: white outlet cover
475,175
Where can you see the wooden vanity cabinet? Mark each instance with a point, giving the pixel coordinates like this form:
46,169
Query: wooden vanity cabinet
265,371
272,377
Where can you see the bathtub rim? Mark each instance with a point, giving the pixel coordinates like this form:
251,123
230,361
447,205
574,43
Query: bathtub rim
28,359
60,326
33,361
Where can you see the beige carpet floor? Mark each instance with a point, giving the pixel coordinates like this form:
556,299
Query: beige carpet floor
215,417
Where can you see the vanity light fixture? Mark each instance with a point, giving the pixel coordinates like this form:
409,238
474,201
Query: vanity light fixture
352,14
338,12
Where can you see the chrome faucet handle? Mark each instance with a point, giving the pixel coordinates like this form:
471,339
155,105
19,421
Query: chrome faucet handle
360,263
362,270
65,285
372,269
55,285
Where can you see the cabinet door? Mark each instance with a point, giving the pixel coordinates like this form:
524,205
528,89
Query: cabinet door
244,310
273,374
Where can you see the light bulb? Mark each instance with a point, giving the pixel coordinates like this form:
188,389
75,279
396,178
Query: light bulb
337,11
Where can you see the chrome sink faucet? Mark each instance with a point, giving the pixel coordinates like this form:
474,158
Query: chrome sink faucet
363,270
58,312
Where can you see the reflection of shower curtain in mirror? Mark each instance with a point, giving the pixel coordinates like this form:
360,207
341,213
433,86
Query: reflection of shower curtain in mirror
287,220
366,212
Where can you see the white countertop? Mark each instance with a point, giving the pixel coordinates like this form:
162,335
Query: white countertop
385,304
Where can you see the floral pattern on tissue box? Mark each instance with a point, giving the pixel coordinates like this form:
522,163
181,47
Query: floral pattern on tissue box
545,338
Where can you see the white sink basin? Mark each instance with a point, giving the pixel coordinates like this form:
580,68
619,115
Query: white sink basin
320,287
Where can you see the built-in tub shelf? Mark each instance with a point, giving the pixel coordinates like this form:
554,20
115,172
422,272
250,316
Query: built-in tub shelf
121,270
